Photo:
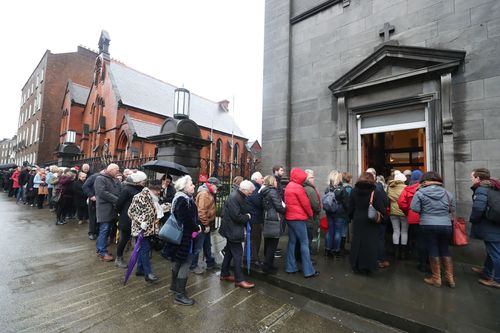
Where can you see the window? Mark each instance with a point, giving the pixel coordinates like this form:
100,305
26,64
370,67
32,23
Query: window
235,153
32,88
29,112
70,136
41,75
39,100
32,133
34,109
218,151
37,79
36,131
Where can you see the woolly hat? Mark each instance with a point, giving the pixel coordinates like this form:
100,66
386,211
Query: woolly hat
416,175
137,177
214,181
399,176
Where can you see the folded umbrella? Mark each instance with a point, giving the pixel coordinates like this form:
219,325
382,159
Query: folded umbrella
248,250
133,256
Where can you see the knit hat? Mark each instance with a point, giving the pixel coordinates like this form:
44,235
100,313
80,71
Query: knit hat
137,177
416,175
399,176
407,172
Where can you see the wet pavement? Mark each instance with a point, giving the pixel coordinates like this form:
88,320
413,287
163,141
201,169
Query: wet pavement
52,281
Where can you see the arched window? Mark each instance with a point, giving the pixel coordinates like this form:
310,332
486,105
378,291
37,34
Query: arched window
236,152
218,151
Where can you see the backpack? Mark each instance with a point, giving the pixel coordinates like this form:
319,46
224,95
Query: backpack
329,202
493,206
342,194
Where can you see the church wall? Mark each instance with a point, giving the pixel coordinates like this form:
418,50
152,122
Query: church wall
328,44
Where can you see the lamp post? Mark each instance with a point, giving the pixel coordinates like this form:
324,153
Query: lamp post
182,100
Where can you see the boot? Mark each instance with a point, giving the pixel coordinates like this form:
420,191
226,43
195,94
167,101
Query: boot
435,279
448,271
181,297
120,263
396,251
173,284
403,252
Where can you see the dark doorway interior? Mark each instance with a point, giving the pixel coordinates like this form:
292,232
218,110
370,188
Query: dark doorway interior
399,150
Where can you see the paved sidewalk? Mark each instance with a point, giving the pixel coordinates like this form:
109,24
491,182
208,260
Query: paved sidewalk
397,296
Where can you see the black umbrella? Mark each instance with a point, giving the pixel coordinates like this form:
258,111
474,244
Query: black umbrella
171,168
8,166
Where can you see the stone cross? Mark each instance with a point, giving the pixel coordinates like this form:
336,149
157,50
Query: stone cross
386,31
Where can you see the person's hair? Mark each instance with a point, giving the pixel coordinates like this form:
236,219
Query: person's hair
112,166
237,180
79,173
269,180
154,184
334,178
431,176
346,177
246,185
366,177
255,175
482,173
181,183
372,171
277,168
381,179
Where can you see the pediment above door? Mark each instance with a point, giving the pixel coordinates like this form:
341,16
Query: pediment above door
391,63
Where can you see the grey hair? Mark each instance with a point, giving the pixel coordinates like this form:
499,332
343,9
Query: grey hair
246,185
256,175
181,183
309,172
372,171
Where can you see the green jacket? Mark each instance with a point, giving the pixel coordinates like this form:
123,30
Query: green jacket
314,199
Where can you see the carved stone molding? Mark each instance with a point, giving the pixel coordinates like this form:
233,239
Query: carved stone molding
342,120
447,115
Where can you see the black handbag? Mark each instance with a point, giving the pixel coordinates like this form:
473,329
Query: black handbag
272,225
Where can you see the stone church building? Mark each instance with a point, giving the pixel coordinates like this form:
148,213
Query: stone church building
389,84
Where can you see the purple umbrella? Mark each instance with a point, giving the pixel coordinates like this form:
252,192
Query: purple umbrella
248,250
133,256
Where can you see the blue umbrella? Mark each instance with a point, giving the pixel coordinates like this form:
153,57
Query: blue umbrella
133,257
248,251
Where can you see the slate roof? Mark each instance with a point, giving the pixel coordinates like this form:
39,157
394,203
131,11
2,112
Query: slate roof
78,93
143,129
147,93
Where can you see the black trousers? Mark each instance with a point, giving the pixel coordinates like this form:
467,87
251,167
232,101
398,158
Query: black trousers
270,246
82,212
232,251
93,227
124,238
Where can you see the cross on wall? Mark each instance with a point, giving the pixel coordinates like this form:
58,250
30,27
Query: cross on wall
386,31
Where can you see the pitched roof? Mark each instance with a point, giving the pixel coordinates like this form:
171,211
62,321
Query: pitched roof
78,93
143,129
147,93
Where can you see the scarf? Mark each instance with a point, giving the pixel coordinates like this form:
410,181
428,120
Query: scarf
156,204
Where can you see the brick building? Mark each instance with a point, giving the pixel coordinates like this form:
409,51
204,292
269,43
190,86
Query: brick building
122,107
7,150
39,114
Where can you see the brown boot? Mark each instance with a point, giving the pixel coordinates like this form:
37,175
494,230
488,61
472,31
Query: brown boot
435,279
448,271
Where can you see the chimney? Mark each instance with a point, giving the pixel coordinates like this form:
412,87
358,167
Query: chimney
224,105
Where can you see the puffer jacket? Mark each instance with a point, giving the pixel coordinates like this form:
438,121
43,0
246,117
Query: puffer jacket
273,206
482,228
404,202
394,190
297,204
142,209
434,204
205,202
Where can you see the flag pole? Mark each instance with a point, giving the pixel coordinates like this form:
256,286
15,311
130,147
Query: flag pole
211,149
232,148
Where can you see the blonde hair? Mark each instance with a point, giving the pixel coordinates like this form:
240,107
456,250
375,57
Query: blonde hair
269,180
334,178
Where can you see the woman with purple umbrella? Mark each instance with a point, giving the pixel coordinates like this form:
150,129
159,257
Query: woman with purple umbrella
145,213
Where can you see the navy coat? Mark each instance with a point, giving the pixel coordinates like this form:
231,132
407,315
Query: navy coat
482,228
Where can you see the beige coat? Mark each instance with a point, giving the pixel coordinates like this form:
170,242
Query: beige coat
394,190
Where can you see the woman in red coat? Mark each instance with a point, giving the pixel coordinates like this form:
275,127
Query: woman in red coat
15,181
298,211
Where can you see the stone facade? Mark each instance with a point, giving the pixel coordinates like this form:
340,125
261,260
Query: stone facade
7,150
309,115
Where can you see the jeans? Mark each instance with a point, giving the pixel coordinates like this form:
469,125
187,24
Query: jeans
143,262
203,241
20,194
232,251
492,263
400,229
297,231
437,239
336,228
102,239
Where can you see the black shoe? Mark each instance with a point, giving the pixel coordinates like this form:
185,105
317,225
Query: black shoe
313,275
150,277
181,297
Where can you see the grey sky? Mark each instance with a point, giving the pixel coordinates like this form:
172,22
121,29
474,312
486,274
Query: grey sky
214,48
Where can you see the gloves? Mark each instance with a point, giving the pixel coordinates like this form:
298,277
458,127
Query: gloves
194,234
207,229
144,225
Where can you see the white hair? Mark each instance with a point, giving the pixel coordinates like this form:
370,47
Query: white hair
256,175
309,172
372,171
181,183
247,185
113,166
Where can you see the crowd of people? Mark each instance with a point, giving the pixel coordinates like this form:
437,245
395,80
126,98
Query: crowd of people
415,207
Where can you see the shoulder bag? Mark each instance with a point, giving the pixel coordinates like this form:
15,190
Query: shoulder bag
373,214
459,228
272,227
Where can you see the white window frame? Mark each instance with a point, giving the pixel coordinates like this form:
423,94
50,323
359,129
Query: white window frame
36,131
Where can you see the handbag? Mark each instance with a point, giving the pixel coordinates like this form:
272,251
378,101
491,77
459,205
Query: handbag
55,198
172,230
373,214
43,190
272,228
459,228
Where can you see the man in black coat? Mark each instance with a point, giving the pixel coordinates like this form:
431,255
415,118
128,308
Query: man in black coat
254,207
233,229
88,189
23,180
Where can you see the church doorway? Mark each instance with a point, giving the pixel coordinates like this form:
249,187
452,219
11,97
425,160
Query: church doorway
394,150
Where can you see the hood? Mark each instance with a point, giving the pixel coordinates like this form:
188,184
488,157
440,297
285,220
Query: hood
433,191
493,183
298,176
395,183
203,187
